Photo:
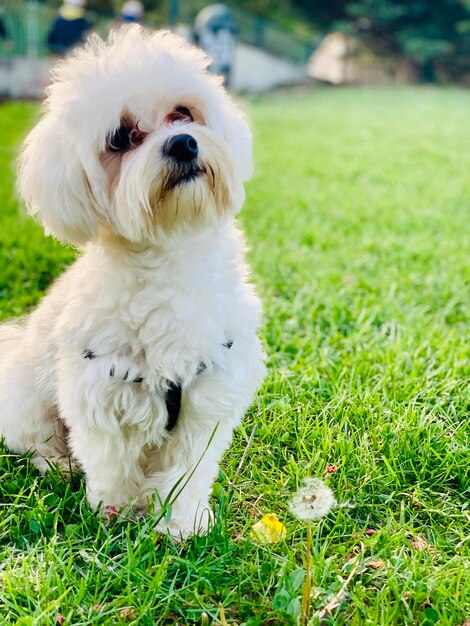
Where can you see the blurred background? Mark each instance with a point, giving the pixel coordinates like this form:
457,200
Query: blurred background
357,219
256,44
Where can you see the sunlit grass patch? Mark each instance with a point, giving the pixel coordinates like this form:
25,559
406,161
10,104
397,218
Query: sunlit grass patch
357,221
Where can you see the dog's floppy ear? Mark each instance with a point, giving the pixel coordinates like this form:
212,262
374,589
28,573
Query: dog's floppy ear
54,185
238,136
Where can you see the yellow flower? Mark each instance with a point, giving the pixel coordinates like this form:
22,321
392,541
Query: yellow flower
268,529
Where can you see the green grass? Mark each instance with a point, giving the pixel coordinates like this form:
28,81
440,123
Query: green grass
358,224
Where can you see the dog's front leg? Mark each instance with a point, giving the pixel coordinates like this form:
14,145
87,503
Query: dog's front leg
110,461
182,473
94,405
185,467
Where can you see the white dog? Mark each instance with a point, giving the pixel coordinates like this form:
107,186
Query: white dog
143,357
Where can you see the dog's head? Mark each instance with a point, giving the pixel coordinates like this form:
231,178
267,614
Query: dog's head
137,138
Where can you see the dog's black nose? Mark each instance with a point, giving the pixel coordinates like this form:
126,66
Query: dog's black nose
181,147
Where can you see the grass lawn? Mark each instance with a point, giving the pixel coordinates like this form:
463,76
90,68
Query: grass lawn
358,224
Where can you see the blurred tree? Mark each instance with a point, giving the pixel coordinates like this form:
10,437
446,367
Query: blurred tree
103,7
431,33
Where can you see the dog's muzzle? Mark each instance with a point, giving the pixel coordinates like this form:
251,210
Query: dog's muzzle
181,152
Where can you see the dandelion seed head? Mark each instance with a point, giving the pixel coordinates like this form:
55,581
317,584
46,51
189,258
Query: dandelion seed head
312,501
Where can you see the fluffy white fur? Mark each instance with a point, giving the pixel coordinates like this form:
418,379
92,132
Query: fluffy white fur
160,288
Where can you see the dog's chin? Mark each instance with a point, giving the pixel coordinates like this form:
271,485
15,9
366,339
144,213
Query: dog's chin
187,197
178,196
181,176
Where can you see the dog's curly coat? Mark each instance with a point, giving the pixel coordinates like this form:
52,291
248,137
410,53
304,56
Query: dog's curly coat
141,155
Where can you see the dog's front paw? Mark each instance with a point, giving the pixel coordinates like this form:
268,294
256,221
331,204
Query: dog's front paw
109,512
100,501
181,529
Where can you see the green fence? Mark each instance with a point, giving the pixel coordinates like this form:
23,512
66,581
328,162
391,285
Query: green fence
27,25
264,33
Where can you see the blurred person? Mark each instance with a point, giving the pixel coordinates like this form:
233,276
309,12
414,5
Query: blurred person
6,43
132,11
215,31
70,27
3,28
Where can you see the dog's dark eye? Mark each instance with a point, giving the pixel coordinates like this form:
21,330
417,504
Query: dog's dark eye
120,139
184,112
180,114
